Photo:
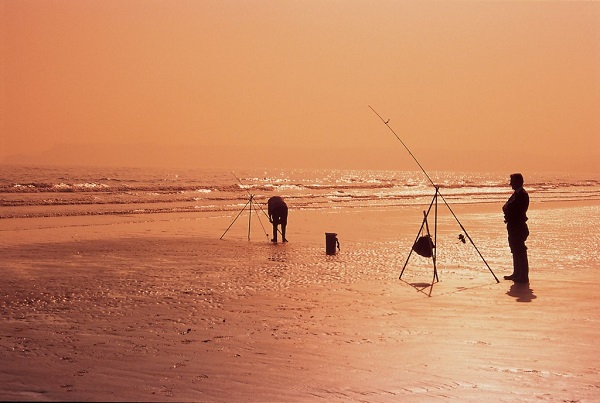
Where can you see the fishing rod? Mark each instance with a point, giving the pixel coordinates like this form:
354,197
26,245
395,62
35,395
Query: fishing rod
437,191
387,123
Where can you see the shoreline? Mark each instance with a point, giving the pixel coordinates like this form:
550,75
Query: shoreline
36,223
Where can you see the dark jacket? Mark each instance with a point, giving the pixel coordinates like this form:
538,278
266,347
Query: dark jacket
277,209
515,208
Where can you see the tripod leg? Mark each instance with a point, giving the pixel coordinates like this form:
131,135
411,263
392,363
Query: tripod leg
435,225
433,280
433,247
425,214
469,237
411,250
435,273
230,225
259,220
480,255
249,216
405,263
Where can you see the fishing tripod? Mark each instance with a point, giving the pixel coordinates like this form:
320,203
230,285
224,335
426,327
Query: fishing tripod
423,244
251,204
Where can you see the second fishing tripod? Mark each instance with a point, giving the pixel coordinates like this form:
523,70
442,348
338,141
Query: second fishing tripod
423,244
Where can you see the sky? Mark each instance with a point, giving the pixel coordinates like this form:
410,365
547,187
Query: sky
467,85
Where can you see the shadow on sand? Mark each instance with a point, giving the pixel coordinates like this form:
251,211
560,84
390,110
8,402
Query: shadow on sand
420,287
522,292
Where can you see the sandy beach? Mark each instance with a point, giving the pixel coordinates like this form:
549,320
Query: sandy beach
158,308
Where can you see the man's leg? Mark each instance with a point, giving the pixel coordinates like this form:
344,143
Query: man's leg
283,218
512,245
512,276
274,231
522,263
520,255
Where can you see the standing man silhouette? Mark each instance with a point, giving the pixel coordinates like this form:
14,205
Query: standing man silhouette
515,217
278,213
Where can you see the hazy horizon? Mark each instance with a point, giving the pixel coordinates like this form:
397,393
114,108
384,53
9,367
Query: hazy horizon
467,85
236,157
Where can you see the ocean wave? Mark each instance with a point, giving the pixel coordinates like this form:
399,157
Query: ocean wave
77,191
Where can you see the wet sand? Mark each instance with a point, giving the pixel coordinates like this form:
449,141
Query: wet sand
158,308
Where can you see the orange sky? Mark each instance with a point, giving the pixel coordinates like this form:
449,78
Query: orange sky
467,85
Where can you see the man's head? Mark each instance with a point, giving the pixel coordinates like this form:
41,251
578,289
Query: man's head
516,181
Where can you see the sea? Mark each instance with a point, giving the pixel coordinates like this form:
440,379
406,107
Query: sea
36,191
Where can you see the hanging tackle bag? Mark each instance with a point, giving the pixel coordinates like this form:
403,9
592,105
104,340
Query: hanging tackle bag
424,246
